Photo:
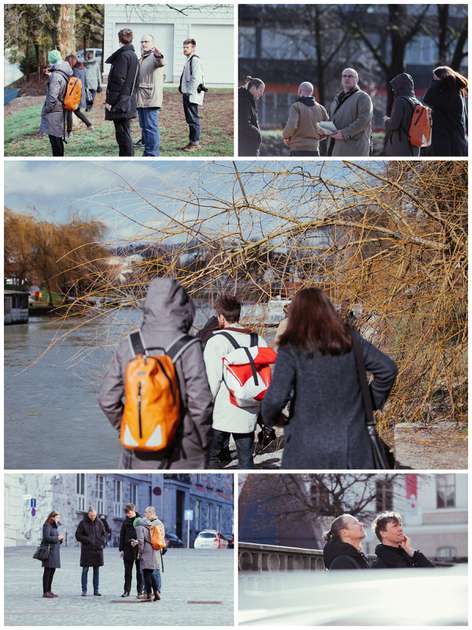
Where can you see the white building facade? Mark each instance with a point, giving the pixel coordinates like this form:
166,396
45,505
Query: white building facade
212,26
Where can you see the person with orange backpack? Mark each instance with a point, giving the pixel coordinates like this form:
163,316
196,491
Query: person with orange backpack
155,392
53,114
238,366
150,534
78,70
408,115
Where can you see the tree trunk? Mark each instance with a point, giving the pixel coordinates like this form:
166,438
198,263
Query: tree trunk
66,29
459,53
443,21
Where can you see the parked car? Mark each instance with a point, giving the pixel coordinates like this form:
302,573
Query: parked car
210,539
172,540
97,53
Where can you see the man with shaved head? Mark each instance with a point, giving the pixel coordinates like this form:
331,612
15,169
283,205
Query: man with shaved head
301,133
351,112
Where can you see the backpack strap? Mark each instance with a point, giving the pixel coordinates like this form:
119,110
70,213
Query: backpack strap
179,346
137,343
229,337
254,339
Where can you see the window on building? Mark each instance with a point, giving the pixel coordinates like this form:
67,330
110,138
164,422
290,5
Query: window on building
80,490
274,109
445,491
247,42
384,495
422,50
219,520
100,493
448,553
133,492
211,516
117,498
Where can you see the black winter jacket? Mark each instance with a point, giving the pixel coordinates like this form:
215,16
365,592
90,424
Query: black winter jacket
449,120
397,558
91,535
341,555
249,135
127,533
122,82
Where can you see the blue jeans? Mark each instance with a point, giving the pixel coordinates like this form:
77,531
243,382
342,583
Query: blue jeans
193,119
85,579
156,580
149,123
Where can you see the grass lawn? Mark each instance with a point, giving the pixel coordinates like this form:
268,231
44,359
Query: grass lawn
22,123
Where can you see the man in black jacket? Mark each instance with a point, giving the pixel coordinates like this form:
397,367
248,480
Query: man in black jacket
343,549
395,550
120,105
129,551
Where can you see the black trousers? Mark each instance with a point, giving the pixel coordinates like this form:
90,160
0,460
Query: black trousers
129,575
123,137
90,100
193,119
305,153
48,575
57,146
80,115
244,446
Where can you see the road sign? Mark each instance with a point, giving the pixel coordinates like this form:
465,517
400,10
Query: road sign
188,515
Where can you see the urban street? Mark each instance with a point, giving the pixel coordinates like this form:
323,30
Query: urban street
197,590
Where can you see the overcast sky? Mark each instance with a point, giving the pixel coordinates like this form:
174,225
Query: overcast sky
54,190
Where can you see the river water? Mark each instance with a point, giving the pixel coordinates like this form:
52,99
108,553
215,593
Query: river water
52,419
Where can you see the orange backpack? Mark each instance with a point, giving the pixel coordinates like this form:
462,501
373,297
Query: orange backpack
157,538
73,94
420,129
152,398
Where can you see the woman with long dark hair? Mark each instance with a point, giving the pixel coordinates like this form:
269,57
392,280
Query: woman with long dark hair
52,538
316,369
447,99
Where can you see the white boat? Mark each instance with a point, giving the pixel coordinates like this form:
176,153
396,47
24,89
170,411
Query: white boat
15,306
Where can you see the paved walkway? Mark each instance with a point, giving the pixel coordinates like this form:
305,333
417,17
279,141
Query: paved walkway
197,591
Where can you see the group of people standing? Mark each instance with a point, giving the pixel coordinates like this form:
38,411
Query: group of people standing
135,547
343,549
314,374
135,87
351,113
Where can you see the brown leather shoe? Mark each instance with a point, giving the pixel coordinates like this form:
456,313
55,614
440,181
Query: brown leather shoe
48,595
192,147
157,596
54,594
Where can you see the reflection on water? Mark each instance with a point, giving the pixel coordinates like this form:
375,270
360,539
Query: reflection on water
52,419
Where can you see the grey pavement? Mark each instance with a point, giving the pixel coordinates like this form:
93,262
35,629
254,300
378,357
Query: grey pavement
197,590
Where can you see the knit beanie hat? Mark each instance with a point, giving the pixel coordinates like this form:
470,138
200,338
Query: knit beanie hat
54,56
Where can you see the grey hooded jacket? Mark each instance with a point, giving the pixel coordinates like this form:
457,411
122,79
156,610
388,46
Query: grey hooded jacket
149,557
168,314
52,114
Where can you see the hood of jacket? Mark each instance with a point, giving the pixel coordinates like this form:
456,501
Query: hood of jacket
309,101
113,57
141,521
336,548
62,66
403,85
168,306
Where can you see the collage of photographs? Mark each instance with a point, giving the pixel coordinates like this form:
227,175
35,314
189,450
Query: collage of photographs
235,261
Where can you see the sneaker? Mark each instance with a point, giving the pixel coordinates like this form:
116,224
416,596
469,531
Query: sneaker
125,594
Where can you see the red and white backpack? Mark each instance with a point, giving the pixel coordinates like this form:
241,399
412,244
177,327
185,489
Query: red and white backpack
247,371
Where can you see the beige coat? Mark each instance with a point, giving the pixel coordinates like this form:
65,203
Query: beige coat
354,120
301,128
151,81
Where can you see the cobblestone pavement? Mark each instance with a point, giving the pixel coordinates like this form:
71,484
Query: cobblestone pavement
197,590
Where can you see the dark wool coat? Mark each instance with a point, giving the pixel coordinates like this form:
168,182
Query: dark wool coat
397,558
249,135
341,555
128,533
397,126
168,314
51,538
449,121
92,536
122,82
327,426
